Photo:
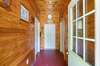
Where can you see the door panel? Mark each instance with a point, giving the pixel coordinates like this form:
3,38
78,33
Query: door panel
49,32
62,37
74,60
81,33
37,36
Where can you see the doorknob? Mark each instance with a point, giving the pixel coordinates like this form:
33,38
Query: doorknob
67,53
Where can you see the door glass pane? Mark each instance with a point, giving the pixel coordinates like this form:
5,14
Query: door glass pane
90,26
80,28
74,44
74,12
89,5
80,47
90,52
74,28
80,8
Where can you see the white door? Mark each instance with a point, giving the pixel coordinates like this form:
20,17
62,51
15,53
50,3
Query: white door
49,31
62,37
37,36
81,33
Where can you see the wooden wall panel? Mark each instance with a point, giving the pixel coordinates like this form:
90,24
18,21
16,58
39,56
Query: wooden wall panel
16,35
43,20
65,18
58,36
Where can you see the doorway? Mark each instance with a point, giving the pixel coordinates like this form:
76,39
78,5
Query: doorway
37,36
62,37
49,32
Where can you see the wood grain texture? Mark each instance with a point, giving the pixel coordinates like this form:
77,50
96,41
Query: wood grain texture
16,36
58,36
65,18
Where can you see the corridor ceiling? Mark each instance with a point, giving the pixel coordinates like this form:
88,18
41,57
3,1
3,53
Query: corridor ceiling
53,7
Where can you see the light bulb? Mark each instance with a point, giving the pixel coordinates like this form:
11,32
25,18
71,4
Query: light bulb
49,16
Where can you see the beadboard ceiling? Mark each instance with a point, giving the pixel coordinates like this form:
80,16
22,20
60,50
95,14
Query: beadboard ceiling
54,7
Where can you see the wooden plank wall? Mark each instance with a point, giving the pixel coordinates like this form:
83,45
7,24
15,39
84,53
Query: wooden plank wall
65,18
16,35
66,35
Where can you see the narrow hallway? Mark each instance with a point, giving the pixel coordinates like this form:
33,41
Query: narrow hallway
29,26
49,32
50,58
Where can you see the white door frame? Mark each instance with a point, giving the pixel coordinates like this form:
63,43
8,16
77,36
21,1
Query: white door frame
97,32
49,34
62,28
37,36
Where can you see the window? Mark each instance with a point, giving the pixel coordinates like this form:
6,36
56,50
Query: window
90,53
80,8
74,12
74,28
90,25
74,45
80,28
89,5
80,47
83,30
24,13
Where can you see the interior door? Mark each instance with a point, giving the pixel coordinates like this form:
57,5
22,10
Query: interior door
81,33
37,36
49,31
62,37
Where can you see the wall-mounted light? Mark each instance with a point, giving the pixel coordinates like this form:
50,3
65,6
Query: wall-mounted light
27,61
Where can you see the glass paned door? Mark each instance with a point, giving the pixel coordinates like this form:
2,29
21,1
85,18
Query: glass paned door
83,30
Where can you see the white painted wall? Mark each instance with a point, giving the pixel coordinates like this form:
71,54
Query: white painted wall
49,31
62,37
37,36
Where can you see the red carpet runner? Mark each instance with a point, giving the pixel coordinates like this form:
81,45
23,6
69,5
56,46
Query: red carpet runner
50,58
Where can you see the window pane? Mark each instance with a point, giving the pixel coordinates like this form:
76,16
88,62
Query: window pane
74,44
89,5
90,26
80,28
80,47
74,12
80,8
74,28
90,52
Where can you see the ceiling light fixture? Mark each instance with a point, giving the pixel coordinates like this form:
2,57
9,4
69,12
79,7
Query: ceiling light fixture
49,16
50,2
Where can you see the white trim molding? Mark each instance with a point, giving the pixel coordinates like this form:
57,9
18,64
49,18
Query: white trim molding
97,32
